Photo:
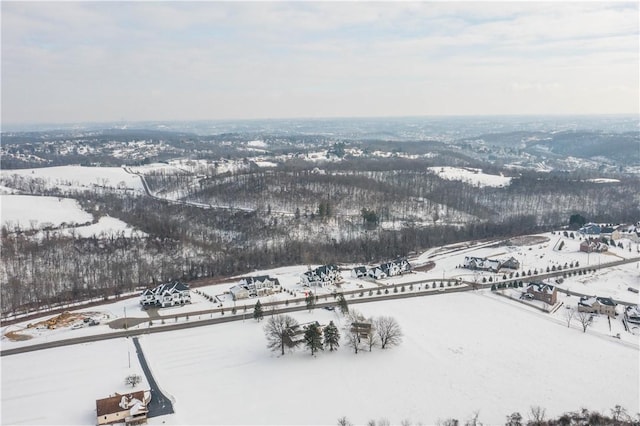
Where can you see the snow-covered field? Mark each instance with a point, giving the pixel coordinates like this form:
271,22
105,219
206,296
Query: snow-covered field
461,353
78,177
29,211
471,176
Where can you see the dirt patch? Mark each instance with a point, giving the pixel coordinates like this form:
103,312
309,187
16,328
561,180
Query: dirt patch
15,336
527,240
65,319
426,267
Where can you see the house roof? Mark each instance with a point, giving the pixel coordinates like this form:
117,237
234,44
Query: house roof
360,269
112,405
541,287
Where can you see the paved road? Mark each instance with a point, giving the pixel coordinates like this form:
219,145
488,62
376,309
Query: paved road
159,405
295,305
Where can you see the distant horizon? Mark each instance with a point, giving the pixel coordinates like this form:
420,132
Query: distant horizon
132,61
337,118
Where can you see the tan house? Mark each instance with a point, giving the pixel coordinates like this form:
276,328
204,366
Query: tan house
129,408
597,305
543,292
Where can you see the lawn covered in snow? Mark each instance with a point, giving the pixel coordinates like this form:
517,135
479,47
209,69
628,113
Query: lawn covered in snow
29,210
79,177
461,353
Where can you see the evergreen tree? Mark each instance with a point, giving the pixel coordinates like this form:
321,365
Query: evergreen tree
342,304
310,301
313,337
331,336
258,313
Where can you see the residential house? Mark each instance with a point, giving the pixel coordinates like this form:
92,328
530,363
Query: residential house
390,269
255,286
543,292
129,409
482,263
322,276
172,293
359,272
593,246
590,229
632,314
511,263
597,305
630,232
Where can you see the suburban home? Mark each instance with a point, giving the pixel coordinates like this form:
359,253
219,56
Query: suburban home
511,263
173,293
322,276
390,269
632,314
543,292
629,232
130,408
359,272
482,263
597,305
590,229
255,286
593,246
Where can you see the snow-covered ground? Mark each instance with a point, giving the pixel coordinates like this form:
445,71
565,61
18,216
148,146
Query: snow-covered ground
29,211
59,386
78,177
461,353
471,176
106,227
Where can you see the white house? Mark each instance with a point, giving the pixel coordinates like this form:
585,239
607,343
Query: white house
173,293
482,263
390,269
255,286
322,276
130,408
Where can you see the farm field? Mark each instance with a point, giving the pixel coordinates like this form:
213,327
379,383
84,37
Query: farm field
461,353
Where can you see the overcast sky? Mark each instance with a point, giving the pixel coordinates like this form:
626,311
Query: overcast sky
106,61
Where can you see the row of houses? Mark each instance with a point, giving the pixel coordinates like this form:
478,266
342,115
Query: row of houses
616,232
263,285
173,293
385,270
322,276
491,265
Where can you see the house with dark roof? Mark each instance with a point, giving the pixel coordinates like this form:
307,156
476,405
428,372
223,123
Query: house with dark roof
511,263
543,292
632,314
359,272
597,305
255,286
322,276
482,263
390,269
173,293
129,408
590,229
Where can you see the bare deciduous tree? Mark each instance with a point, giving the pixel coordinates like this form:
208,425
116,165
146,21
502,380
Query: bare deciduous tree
585,319
278,331
388,331
568,315
537,415
132,380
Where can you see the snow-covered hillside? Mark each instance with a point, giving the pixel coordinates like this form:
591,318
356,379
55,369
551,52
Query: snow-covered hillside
27,211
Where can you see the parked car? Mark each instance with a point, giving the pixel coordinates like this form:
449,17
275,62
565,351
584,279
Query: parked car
330,308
